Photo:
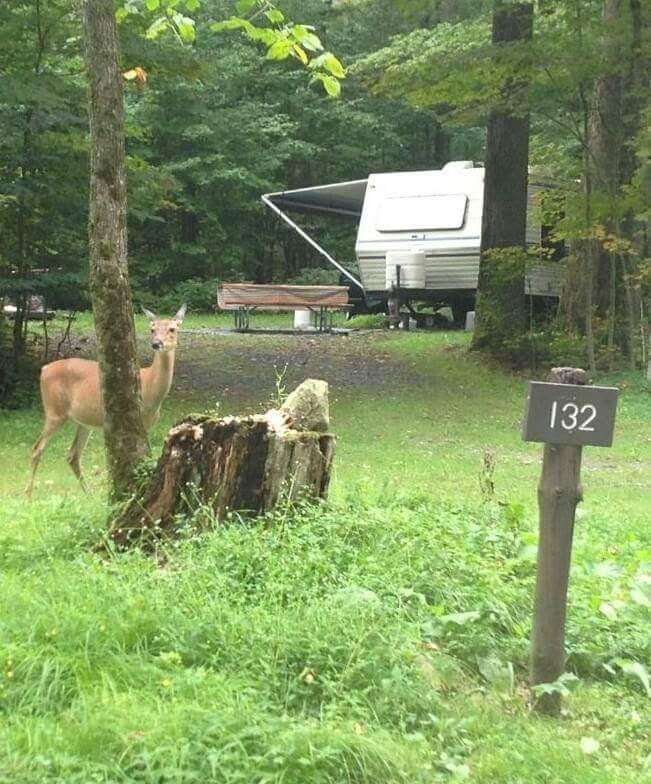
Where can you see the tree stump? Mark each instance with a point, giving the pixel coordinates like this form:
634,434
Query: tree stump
244,464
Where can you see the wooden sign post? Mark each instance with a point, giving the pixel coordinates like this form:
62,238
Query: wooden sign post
565,415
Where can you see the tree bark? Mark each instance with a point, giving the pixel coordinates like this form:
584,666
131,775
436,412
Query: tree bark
240,464
605,144
125,434
500,290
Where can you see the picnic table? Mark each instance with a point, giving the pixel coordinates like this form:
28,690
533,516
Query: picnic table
246,298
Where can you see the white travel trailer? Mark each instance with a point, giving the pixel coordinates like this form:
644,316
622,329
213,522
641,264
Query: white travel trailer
427,223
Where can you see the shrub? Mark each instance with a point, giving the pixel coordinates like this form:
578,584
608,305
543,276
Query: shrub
315,276
199,295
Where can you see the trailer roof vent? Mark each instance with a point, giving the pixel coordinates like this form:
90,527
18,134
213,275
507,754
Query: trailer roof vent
456,165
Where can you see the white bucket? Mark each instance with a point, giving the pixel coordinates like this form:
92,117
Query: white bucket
412,268
302,319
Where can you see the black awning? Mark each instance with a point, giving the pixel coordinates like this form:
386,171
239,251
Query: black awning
340,198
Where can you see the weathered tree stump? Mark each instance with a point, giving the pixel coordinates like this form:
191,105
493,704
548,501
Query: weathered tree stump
244,464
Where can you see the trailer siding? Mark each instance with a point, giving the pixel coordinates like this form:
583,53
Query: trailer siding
448,273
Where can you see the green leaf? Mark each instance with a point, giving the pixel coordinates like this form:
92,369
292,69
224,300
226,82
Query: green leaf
333,65
275,16
496,671
152,5
638,670
608,569
245,6
562,685
280,49
234,23
300,53
332,86
262,34
121,14
306,38
157,27
192,5
328,62
185,26
460,619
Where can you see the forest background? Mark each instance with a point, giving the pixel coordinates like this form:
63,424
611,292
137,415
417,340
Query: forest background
214,125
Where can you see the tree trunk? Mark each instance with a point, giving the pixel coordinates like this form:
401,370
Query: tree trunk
500,291
605,144
125,435
242,464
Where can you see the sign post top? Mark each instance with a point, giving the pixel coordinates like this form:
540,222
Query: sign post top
570,414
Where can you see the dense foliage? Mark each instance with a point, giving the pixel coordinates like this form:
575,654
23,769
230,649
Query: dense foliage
213,127
212,124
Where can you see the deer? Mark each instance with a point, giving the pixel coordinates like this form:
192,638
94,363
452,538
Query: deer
71,389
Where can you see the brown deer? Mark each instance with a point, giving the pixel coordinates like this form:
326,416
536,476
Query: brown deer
71,389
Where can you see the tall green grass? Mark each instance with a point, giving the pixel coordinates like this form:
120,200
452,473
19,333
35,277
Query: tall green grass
334,644
382,637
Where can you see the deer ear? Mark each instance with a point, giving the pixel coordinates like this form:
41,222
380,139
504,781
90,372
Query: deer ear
151,316
180,314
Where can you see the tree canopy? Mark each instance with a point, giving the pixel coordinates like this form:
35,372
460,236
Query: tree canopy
213,120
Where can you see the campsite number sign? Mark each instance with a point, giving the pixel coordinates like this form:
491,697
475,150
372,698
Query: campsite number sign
570,414
566,416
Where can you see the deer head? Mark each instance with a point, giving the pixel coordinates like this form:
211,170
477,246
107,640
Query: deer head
164,331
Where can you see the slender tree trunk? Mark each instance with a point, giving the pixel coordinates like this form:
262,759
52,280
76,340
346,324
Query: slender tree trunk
605,142
125,435
635,102
589,265
501,313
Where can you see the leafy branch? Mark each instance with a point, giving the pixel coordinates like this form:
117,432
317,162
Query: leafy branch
284,39
281,37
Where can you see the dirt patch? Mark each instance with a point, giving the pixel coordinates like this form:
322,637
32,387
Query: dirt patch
236,367
245,366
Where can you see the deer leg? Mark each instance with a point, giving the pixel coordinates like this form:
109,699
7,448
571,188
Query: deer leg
49,429
74,453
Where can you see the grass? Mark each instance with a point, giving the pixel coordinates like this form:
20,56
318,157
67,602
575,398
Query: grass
380,638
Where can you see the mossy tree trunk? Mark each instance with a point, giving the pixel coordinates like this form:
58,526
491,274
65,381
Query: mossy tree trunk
125,434
500,290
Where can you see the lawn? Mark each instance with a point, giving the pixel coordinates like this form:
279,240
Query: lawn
382,637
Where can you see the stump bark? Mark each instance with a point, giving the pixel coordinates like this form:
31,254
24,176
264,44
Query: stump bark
244,464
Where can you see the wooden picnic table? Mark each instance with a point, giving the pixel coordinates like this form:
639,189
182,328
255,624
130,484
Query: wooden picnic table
246,298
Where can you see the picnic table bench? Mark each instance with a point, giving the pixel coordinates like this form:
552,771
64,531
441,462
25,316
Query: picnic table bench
245,298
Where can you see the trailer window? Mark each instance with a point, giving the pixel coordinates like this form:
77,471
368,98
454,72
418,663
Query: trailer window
422,213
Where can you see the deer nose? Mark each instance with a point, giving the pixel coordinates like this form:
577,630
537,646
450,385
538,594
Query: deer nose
157,344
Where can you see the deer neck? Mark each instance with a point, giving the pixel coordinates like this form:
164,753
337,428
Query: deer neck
157,379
